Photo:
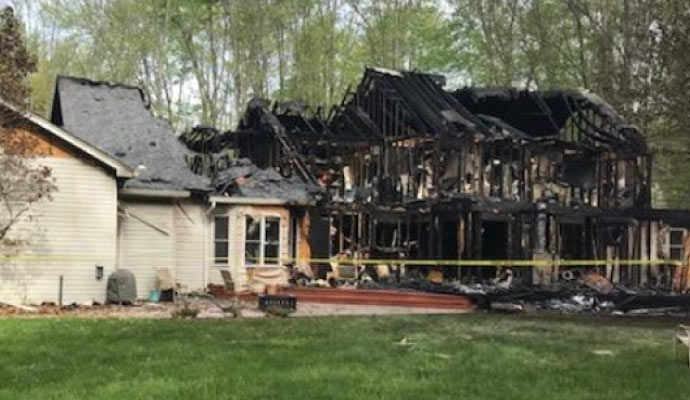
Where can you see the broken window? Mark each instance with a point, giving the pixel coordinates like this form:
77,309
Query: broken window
262,240
220,240
675,243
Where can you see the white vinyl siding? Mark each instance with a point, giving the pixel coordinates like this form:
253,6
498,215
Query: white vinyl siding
163,233
146,240
189,220
68,236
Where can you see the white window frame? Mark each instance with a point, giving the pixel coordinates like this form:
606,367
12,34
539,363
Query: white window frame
262,241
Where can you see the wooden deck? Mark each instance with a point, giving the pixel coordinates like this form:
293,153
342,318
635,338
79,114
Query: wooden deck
380,298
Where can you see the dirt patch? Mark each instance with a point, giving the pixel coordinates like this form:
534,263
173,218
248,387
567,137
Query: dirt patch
209,309
320,309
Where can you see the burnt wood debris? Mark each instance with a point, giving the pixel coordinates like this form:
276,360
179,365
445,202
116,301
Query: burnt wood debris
405,169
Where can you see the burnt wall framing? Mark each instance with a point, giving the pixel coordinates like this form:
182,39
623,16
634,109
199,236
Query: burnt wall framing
414,171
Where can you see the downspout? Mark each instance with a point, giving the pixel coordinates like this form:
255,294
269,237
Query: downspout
205,248
211,208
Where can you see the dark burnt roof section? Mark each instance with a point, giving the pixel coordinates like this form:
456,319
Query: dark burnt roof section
244,179
546,114
417,100
117,120
420,106
260,119
205,139
393,105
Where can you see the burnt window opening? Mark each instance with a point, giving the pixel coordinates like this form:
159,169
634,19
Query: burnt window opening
675,243
572,241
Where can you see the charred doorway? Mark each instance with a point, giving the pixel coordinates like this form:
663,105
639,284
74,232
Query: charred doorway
449,240
450,244
320,241
495,244
573,245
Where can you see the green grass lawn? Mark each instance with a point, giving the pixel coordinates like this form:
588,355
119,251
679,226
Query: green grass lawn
452,357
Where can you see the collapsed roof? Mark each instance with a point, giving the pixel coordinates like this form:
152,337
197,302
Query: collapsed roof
387,105
422,103
244,179
396,105
546,114
117,120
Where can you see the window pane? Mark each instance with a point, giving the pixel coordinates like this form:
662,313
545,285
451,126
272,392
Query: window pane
676,253
253,229
272,229
676,236
252,252
271,254
221,252
221,231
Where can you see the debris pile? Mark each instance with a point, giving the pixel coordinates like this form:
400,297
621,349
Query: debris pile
589,293
243,178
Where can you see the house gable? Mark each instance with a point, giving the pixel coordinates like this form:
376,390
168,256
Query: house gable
49,137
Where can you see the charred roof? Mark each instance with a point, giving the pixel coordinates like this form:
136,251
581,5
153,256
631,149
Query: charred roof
244,179
542,114
412,104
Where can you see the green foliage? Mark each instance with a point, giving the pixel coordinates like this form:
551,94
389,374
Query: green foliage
16,62
23,183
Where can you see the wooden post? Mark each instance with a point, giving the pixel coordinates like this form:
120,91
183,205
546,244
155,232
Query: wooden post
469,236
554,247
644,252
631,274
541,274
609,262
616,265
440,236
653,250
461,241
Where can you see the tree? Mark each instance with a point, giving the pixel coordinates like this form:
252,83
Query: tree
16,62
22,182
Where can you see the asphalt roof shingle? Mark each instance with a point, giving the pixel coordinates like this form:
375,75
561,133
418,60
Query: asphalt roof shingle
117,120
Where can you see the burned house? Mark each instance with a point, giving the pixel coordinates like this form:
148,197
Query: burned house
403,173
425,176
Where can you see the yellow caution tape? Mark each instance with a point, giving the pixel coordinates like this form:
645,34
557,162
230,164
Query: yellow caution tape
476,263
368,261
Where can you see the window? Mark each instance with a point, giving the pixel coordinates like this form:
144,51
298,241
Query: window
252,241
262,240
220,240
675,243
